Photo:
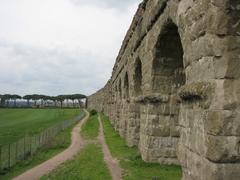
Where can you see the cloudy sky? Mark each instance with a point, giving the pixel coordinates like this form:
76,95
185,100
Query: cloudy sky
60,46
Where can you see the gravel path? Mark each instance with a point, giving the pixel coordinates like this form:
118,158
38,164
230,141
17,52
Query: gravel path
51,164
112,163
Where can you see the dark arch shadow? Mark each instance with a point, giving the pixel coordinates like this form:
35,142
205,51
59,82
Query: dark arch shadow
168,66
137,77
126,86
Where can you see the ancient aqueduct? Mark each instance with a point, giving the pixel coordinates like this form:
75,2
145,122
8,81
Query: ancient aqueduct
175,86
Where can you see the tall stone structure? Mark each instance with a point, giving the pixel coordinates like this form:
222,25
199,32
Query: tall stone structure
175,86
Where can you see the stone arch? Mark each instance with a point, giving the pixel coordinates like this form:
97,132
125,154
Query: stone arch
138,77
168,67
126,86
167,76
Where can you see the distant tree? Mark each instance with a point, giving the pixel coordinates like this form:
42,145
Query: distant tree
15,97
35,98
54,99
40,97
61,99
66,98
46,99
79,98
28,98
43,99
72,98
7,98
2,100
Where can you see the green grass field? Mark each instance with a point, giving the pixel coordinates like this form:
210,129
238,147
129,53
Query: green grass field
87,165
57,145
16,123
91,128
134,167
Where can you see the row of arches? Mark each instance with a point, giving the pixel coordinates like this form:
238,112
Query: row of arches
167,128
163,76
124,92
167,66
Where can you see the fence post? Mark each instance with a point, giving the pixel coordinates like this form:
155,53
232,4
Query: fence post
0,158
16,151
46,136
24,147
40,139
30,148
34,143
9,155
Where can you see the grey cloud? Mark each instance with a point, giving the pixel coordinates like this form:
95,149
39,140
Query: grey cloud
55,71
39,46
116,4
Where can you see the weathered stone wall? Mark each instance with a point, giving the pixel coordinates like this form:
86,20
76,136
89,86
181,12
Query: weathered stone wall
175,86
96,101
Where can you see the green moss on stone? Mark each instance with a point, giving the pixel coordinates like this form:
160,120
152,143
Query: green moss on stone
195,91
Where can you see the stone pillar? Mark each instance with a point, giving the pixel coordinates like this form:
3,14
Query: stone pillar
159,134
133,129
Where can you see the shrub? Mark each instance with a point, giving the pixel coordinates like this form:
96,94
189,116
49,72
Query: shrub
93,112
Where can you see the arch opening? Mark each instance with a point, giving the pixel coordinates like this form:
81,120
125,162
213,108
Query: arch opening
126,86
138,77
120,88
168,67
167,77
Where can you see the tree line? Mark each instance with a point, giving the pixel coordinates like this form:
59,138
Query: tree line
6,98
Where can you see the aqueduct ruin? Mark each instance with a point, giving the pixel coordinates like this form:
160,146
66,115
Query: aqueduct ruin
175,86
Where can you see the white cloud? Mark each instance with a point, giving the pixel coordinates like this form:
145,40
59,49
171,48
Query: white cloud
57,46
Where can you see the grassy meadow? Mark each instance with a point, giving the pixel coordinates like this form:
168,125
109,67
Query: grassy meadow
16,123
57,145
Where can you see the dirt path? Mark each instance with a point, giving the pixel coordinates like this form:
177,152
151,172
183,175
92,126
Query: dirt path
51,164
112,163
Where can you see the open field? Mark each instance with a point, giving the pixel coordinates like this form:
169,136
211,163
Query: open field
132,164
16,123
57,145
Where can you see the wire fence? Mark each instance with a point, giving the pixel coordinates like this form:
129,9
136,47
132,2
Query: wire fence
13,153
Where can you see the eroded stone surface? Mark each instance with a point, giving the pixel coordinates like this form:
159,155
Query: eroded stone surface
175,86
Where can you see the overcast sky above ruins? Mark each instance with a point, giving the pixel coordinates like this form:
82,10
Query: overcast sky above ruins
60,46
